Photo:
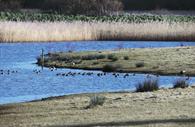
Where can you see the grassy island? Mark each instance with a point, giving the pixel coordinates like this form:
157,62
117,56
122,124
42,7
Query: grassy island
163,61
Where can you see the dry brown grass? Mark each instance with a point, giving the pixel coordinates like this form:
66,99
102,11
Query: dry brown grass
77,31
163,108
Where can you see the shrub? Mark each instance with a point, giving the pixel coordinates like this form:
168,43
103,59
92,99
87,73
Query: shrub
93,57
180,83
140,64
110,68
95,101
126,58
147,85
100,57
112,57
88,57
95,63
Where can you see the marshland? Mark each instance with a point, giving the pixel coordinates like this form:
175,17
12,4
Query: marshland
92,62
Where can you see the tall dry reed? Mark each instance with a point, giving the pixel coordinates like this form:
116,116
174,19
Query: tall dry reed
77,31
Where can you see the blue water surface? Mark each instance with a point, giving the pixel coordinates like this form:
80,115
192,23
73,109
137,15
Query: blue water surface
26,84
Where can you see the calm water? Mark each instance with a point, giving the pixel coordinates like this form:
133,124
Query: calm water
26,85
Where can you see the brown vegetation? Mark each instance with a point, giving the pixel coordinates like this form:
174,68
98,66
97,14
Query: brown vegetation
78,31
165,107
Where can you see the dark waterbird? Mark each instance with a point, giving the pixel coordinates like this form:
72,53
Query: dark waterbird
52,68
115,75
58,74
37,71
99,74
126,75
8,72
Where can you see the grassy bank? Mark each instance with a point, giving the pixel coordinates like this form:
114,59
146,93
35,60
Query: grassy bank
76,31
165,61
166,107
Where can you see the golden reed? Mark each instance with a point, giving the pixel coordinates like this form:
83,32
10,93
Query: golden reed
79,31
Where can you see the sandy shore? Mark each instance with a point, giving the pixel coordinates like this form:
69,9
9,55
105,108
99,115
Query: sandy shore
166,107
163,61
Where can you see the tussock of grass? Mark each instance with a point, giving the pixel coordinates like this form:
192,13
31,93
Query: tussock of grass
112,57
180,83
95,101
140,64
76,31
126,58
147,85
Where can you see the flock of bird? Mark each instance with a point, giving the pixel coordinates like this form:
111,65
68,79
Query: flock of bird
100,74
72,74
8,72
37,71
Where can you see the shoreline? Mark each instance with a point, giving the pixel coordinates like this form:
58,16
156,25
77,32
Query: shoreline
93,41
77,95
125,108
131,72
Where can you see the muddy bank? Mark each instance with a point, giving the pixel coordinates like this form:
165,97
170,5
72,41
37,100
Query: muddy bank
166,107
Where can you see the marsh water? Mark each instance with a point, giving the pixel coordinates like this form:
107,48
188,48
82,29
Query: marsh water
20,82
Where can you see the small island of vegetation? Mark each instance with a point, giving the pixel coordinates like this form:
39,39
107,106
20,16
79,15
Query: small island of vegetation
161,61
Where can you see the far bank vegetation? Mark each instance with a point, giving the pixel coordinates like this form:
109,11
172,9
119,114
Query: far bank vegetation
78,31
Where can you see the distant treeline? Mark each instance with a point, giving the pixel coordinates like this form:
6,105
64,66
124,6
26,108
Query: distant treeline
159,4
73,7
95,7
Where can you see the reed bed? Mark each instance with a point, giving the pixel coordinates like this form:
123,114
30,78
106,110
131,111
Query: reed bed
11,31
